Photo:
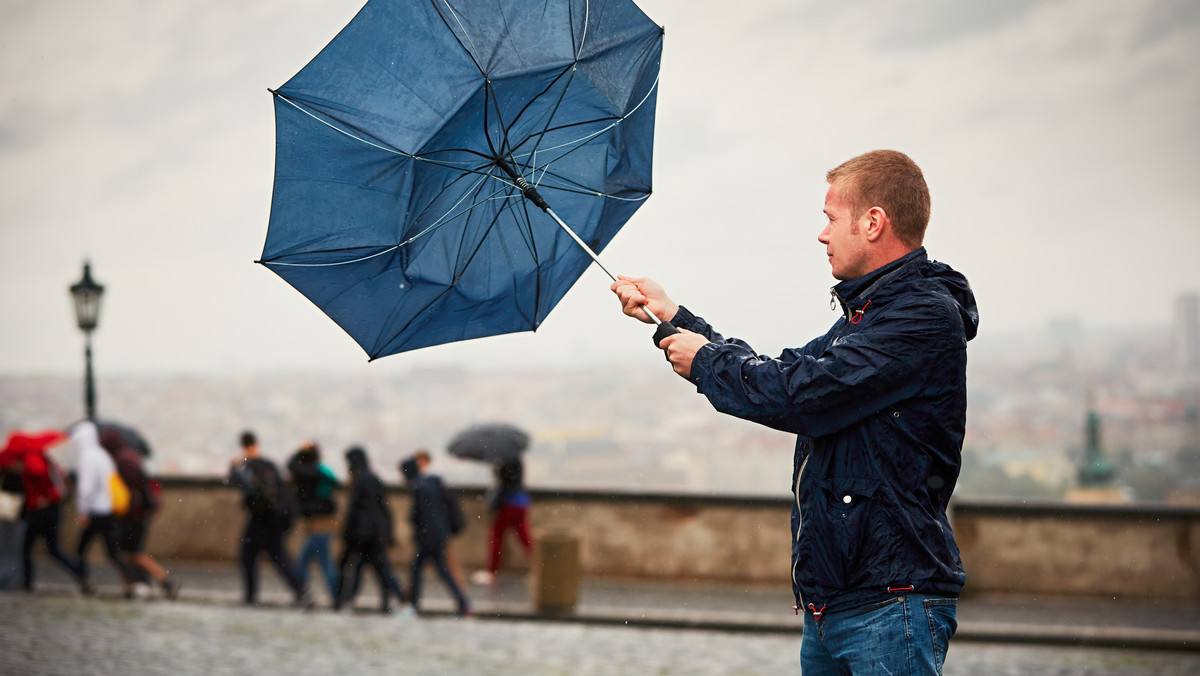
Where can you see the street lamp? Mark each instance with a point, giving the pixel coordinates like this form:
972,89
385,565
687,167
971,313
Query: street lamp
87,293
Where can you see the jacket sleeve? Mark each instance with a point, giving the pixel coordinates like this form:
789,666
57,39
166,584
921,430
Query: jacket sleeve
819,389
684,319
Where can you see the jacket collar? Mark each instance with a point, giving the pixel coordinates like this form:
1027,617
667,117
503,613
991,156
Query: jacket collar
849,292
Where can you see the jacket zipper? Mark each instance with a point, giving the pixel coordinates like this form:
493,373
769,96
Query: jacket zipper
799,523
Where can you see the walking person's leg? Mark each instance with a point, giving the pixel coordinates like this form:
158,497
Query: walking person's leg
85,539
323,552
389,585
414,575
278,554
48,528
349,567
460,599
521,525
110,530
496,543
307,554
252,543
33,530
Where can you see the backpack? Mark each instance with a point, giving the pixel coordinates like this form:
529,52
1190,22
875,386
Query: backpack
454,512
262,490
120,494
266,494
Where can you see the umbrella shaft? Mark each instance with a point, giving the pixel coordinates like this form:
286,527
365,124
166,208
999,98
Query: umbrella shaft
589,251
532,195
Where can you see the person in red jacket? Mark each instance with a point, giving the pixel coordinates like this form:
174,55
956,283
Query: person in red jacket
42,482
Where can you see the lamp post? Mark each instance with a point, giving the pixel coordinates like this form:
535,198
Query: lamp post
87,293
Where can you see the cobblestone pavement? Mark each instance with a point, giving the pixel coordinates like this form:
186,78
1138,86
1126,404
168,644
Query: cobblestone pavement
63,633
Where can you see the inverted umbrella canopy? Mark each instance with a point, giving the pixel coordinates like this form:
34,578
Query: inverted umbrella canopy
406,149
489,442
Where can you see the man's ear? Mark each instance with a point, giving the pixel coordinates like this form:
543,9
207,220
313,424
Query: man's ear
877,222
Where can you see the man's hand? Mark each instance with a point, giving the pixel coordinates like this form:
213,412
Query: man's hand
681,349
639,294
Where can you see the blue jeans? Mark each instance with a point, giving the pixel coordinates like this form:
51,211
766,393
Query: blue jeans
316,546
902,635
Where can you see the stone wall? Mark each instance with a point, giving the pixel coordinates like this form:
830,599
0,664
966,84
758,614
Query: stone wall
1129,551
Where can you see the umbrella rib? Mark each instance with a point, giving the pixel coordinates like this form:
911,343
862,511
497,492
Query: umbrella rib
340,130
474,252
470,50
394,151
326,265
587,10
617,121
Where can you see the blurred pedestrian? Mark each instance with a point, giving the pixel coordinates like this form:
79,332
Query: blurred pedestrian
367,534
44,489
314,483
423,461
509,505
143,504
435,516
95,479
268,504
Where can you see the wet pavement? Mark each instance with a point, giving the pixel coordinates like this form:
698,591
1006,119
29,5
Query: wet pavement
619,627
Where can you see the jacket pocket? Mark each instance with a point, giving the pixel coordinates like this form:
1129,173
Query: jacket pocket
858,530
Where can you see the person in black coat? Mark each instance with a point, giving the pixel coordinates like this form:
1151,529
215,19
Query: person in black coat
367,533
435,516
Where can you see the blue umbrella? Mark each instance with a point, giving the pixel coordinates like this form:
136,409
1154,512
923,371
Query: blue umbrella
447,169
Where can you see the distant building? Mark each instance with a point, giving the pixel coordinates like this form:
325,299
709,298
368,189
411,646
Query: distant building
1187,331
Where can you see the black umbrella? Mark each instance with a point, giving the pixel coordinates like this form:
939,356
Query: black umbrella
489,442
129,435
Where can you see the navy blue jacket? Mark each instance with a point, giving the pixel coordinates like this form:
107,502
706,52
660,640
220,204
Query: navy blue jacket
879,406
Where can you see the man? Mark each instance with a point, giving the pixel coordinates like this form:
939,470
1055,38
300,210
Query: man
267,501
367,534
435,516
878,405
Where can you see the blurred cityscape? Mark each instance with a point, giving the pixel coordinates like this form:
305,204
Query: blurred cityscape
632,429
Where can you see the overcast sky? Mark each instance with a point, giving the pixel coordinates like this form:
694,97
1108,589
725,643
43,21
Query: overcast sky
1059,138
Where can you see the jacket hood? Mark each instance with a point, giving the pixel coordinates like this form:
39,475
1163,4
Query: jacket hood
356,458
959,289
85,435
890,279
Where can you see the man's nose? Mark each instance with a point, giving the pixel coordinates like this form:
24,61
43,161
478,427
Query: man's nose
823,238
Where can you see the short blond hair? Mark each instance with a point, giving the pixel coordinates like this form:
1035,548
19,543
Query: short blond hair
891,180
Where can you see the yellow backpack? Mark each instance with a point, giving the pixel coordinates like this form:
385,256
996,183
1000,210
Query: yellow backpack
120,494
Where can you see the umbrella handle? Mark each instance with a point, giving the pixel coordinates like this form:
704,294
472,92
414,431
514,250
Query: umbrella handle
664,329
